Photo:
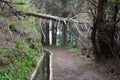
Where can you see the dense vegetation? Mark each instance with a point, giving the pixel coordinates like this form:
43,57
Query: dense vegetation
20,41
97,31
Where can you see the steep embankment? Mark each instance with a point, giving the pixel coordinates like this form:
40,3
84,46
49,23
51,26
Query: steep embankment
20,45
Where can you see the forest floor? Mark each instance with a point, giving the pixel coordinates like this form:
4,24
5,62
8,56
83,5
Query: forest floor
74,66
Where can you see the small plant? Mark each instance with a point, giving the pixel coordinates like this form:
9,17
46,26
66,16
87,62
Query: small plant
20,44
2,50
73,50
12,26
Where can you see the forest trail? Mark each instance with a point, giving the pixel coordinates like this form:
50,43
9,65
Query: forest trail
70,66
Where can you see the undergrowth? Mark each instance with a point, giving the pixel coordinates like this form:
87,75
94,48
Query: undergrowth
73,50
20,43
17,63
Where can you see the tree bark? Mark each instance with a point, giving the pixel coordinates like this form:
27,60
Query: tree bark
99,19
50,17
54,33
47,34
43,37
103,33
64,29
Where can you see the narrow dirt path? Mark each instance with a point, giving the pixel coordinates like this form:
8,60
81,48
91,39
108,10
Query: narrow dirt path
70,66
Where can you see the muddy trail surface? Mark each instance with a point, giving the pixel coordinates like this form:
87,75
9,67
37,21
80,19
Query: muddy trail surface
73,66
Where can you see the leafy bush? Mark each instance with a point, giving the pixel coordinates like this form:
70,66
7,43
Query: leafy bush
27,7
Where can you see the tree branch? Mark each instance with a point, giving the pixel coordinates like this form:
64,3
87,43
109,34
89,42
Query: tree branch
12,2
117,21
92,3
45,16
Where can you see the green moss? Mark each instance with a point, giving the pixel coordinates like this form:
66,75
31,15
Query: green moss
13,26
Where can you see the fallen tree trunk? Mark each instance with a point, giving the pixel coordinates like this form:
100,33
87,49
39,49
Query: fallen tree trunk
46,16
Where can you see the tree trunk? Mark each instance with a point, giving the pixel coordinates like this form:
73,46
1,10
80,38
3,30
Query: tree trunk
103,33
43,37
99,19
64,29
47,34
54,33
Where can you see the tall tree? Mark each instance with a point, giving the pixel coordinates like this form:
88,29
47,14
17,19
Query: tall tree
64,14
47,40
54,33
64,29
104,30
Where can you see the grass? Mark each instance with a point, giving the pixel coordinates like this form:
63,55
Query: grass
18,60
17,63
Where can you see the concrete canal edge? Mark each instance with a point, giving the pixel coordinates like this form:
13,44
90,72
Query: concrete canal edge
43,70
51,68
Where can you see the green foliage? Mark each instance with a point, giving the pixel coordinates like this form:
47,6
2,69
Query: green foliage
20,65
27,7
72,42
2,50
19,61
83,16
73,50
12,24
20,44
30,22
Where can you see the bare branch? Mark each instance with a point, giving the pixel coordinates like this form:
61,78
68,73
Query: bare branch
92,3
80,33
92,12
